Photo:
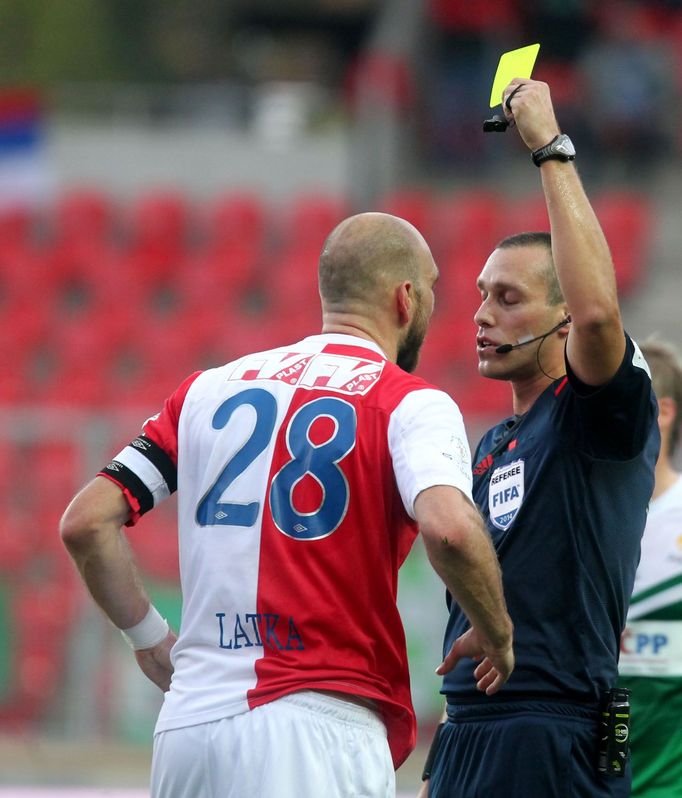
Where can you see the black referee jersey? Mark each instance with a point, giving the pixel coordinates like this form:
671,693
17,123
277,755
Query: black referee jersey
564,490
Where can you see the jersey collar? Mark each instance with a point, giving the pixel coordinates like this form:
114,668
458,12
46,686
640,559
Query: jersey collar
343,339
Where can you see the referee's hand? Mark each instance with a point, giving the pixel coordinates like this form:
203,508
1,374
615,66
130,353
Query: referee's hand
155,662
528,104
495,664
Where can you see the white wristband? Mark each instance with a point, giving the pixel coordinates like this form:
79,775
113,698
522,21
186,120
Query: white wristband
152,629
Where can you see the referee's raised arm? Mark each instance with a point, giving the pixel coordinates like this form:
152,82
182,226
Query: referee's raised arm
596,340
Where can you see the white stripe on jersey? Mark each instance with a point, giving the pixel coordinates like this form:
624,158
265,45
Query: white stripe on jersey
143,468
428,445
659,601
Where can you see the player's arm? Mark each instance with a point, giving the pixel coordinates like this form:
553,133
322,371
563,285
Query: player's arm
596,340
460,550
91,531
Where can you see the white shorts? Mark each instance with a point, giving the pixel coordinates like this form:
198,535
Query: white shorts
305,745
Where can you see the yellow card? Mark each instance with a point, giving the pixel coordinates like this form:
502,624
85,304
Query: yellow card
514,64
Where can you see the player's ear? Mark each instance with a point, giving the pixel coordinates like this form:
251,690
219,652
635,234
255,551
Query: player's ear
404,300
667,411
563,331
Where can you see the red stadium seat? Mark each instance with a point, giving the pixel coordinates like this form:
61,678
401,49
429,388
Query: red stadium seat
19,361
448,342
237,219
16,227
456,293
293,299
523,214
414,205
58,469
309,219
23,325
76,355
113,286
83,214
21,270
478,397
42,614
291,280
627,221
463,16
17,540
467,225
153,267
44,607
85,339
72,386
79,240
18,530
158,230
159,219
222,277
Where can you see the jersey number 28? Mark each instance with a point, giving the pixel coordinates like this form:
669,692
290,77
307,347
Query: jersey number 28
320,461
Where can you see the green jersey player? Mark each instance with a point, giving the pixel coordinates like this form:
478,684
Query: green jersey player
651,648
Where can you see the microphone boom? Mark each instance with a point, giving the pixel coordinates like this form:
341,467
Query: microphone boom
502,349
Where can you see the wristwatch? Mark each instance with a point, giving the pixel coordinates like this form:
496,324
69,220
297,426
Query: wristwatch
560,148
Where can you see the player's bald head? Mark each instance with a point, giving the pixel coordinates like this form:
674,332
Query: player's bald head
366,254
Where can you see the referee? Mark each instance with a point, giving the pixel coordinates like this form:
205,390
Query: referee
564,483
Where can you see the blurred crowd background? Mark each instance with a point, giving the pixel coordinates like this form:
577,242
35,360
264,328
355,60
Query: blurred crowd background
168,172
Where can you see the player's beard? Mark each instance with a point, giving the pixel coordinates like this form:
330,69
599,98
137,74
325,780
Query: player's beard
408,351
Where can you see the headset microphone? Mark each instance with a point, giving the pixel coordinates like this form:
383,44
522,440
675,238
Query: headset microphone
504,348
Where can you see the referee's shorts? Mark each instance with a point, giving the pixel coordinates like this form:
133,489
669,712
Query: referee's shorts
305,745
529,749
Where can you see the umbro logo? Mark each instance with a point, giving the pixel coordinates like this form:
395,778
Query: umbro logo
141,443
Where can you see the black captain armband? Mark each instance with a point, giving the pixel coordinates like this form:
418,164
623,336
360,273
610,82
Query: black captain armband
146,470
433,750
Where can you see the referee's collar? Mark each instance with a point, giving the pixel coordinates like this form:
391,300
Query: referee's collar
345,339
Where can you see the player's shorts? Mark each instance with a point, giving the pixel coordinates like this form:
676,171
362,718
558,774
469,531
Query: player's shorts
524,749
304,745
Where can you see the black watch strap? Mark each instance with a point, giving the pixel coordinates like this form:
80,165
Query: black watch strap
560,148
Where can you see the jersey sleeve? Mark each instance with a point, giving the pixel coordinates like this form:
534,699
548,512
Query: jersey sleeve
146,469
612,421
428,445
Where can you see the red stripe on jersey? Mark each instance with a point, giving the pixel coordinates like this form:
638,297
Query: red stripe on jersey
560,387
346,581
132,501
163,427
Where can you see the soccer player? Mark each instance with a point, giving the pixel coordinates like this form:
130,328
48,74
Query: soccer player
564,485
651,647
304,474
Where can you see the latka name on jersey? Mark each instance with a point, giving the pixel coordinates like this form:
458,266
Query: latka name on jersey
262,629
323,371
505,493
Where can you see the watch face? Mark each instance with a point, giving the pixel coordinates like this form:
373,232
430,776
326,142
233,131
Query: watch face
565,146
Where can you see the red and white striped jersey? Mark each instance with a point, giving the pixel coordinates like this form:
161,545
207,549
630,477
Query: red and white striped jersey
297,471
